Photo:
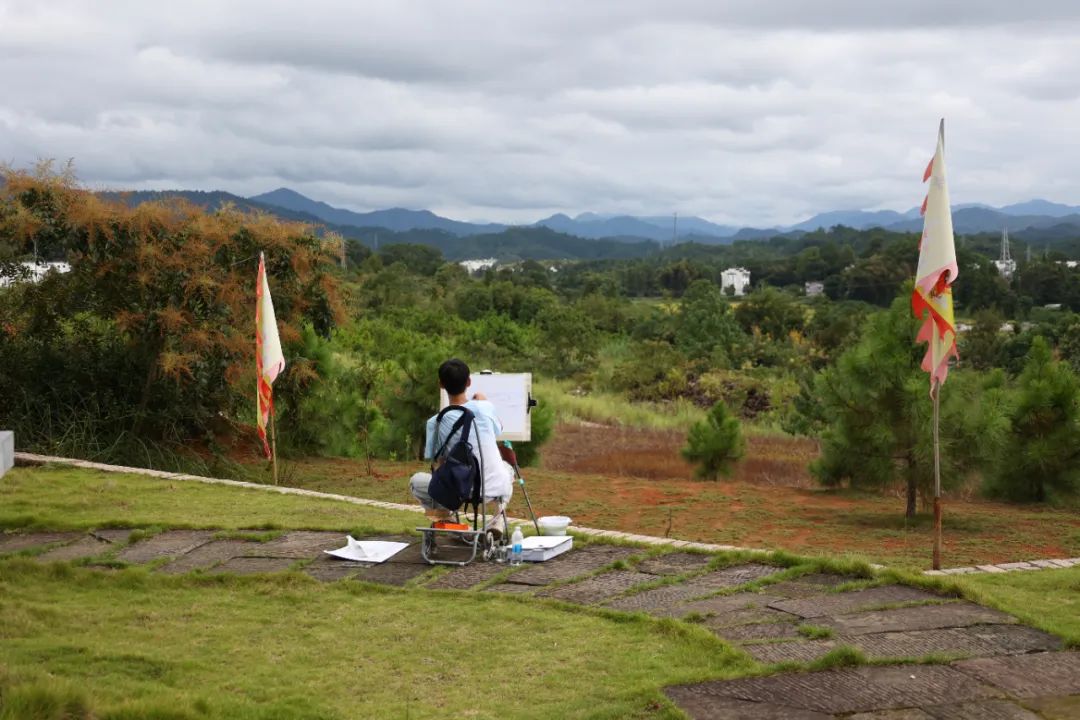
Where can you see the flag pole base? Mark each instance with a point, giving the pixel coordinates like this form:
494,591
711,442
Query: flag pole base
937,533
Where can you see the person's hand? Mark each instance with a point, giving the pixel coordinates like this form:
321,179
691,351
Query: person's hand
479,396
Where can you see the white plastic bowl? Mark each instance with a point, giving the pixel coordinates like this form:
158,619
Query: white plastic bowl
553,524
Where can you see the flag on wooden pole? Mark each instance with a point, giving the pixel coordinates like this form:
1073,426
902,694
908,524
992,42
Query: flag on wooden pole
932,299
932,303
269,360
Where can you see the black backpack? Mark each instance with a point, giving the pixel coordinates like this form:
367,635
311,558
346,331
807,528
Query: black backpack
457,481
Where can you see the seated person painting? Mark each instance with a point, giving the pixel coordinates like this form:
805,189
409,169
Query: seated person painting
498,476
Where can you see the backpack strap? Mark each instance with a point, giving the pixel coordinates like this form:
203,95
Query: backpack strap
463,423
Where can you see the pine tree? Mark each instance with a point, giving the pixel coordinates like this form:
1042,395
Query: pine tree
875,408
714,443
1039,457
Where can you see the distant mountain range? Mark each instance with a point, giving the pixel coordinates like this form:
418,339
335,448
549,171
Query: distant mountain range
1047,218
397,219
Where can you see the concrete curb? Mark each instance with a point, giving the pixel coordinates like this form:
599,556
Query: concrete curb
22,458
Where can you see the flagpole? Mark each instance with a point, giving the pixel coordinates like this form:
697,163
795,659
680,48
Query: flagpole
273,442
937,475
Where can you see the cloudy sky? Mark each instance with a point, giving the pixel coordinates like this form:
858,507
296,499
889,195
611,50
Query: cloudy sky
742,112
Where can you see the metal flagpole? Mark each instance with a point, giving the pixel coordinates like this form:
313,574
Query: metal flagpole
937,475
273,441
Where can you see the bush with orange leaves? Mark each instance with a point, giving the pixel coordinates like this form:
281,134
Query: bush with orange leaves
151,333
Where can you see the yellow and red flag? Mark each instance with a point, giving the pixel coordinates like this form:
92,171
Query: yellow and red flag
269,360
932,299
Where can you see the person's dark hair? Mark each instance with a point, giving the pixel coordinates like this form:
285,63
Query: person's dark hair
454,376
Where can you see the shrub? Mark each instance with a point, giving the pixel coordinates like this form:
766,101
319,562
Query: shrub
714,443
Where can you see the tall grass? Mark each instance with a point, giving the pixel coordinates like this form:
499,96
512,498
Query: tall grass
613,409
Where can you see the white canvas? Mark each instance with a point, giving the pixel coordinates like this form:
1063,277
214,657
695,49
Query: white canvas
509,393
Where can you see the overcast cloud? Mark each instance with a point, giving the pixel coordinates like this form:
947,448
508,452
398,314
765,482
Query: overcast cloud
750,113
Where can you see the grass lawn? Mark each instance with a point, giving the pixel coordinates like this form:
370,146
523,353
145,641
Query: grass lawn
130,644
136,645
1048,599
84,644
61,498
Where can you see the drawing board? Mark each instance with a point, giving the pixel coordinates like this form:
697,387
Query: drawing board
510,393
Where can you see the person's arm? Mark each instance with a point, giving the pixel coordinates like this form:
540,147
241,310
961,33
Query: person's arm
483,406
429,438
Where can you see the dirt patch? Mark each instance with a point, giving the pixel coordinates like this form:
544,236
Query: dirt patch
654,454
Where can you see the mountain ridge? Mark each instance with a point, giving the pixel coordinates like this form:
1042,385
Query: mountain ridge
968,218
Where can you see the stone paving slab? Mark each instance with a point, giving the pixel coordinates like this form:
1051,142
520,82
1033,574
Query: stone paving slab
88,546
985,710
849,602
760,631
749,616
670,600
116,536
389,573
463,578
571,564
601,587
705,707
921,617
253,565
852,690
300,544
1028,676
1056,708
11,543
207,556
511,589
676,563
330,569
722,605
169,544
807,585
905,714
975,641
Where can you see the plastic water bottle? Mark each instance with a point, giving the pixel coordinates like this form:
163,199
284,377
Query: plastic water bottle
515,546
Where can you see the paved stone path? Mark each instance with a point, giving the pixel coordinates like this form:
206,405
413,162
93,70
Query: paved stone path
988,665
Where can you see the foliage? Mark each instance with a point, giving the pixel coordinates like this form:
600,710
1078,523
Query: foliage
875,409
1038,459
152,329
653,371
715,443
706,327
773,312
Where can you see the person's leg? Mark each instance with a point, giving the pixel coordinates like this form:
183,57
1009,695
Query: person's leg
418,485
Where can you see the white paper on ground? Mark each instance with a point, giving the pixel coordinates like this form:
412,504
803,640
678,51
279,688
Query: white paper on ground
538,548
372,551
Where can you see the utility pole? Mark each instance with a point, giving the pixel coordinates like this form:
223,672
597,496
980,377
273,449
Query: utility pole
675,229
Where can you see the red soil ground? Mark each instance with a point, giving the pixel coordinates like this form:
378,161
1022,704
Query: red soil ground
634,480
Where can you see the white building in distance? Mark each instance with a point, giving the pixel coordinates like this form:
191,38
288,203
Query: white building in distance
477,265
814,288
737,278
